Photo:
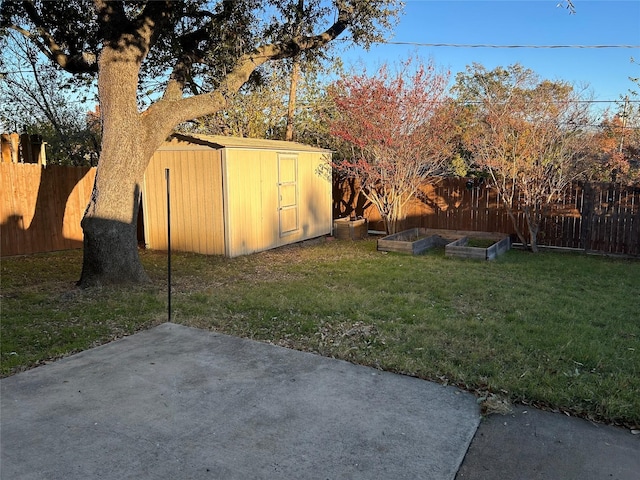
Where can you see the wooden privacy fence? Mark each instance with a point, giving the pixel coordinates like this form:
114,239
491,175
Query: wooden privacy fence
41,207
595,217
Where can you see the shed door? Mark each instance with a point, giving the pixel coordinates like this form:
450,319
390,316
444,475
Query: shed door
288,193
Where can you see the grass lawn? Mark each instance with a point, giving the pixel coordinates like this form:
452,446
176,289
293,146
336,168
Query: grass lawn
553,330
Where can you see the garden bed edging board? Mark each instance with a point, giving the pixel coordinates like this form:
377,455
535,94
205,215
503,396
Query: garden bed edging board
460,248
414,241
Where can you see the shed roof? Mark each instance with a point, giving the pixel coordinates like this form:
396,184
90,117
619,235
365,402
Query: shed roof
221,141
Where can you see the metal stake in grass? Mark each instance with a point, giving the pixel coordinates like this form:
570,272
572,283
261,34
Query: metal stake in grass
166,173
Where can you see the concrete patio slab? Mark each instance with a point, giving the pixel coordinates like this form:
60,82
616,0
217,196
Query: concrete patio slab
180,403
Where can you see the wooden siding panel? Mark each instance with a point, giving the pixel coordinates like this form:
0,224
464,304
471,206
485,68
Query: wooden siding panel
253,200
260,188
151,206
205,202
197,223
315,200
202,223
26,205
270,224
267,227
245,187
200,227
213,197
252,189
180,211
72,214
235,191
154,203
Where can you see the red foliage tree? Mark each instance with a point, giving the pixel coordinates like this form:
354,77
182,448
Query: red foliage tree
398,132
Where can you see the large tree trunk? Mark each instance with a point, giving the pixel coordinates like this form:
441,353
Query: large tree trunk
533,224
110,221
110,238
514,222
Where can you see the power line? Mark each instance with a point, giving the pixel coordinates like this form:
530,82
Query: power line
606,101
488,45
478,102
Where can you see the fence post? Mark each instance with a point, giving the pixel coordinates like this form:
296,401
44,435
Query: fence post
587,216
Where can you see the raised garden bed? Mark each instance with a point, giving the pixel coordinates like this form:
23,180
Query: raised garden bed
457,243
414,241
478,245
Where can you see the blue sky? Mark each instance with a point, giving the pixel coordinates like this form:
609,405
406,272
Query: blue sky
518,22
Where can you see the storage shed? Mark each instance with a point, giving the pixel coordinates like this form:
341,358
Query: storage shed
235,196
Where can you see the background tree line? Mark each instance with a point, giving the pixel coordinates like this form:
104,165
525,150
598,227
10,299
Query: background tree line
37,98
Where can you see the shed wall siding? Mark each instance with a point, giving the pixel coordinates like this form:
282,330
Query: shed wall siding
197,223
251,197
315,196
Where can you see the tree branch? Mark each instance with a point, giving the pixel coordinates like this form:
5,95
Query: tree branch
112,13
183,109
191,54
84,62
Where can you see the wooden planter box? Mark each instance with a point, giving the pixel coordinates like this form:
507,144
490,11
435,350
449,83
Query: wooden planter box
460,247
347,229
414,241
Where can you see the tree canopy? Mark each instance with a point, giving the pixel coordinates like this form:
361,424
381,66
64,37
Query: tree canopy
529,136
259,110
191,45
